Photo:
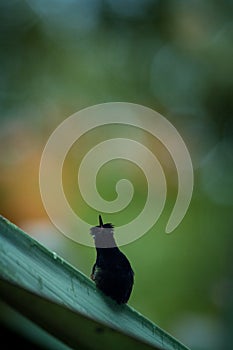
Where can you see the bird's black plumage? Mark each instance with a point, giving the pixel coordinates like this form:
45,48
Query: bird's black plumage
112,272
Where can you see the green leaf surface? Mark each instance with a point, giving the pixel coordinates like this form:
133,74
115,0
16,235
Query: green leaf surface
63,301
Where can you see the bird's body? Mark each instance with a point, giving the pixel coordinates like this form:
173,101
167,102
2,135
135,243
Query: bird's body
112,272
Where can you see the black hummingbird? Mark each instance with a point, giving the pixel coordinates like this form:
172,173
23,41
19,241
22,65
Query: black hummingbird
112,272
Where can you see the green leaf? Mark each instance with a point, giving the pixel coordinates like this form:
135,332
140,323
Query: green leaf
59,298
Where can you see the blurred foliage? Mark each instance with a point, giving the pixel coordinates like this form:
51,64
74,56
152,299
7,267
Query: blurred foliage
174,56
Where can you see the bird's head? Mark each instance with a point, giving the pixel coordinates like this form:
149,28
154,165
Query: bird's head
102,233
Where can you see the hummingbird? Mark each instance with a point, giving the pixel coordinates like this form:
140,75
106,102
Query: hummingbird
112,272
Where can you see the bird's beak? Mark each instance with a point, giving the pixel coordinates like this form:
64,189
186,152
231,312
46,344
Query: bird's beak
100,221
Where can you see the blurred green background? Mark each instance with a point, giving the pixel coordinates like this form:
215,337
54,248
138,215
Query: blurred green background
58,57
